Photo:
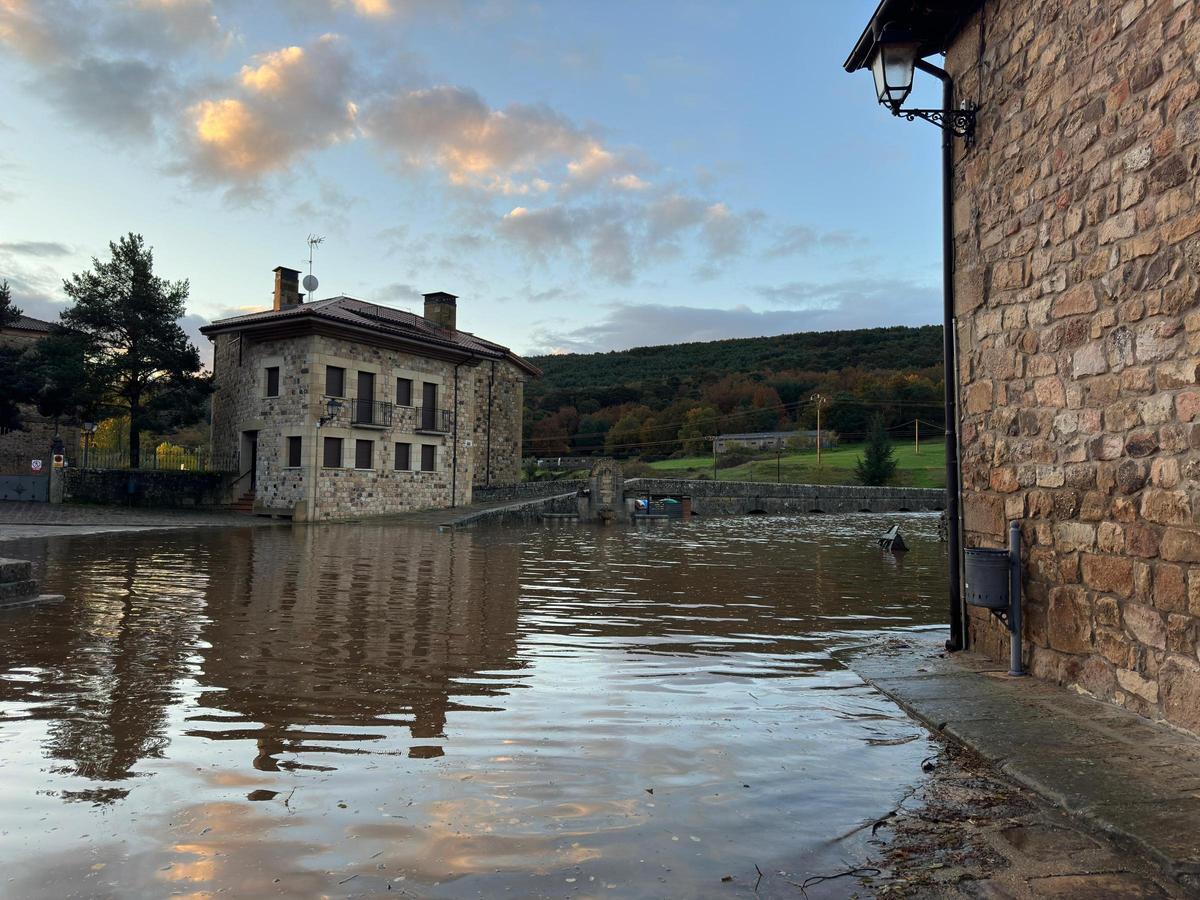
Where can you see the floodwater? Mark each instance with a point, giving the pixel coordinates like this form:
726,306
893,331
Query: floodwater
562,711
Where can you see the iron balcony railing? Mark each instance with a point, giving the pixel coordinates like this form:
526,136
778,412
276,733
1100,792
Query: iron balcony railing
372,413
437,421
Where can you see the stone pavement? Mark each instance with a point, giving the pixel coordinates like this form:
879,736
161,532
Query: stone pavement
1136,781
27,520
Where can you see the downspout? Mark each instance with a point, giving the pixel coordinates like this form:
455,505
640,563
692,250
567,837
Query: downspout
491,398
454,452
958,637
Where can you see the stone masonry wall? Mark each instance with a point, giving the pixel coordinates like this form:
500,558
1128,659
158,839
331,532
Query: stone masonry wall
34,439
240,405
498,463
1077,265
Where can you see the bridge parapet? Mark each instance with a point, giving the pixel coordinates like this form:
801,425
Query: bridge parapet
741,497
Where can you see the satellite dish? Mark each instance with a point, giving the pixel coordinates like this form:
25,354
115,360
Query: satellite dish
310,283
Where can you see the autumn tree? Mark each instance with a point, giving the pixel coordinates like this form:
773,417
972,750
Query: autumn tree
136,352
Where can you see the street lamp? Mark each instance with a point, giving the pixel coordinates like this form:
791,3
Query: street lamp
89,430
893,60
893,53
892,65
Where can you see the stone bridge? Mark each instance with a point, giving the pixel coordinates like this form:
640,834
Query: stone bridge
724,498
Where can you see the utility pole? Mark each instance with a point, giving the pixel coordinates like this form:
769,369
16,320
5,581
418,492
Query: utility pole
818,399
917,437
714,446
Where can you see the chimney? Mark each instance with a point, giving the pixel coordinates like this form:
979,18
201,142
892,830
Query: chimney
287,288
441,310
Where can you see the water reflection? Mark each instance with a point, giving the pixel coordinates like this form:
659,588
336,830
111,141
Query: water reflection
345,710
322,640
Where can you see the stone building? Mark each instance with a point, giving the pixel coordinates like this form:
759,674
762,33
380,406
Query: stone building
382,410
774,440
1077,264
36,436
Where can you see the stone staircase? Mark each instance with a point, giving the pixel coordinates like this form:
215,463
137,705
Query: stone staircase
244,503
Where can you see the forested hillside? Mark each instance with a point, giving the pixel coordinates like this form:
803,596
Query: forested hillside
656,401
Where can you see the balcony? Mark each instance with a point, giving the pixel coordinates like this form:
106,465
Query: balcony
370,414
434,421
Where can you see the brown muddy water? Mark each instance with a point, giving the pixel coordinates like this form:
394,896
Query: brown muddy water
562,711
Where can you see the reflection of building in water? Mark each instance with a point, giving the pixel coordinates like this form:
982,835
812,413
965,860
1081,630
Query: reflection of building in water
360,628
104,666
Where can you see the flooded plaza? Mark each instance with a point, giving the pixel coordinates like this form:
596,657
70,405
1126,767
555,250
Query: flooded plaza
559,711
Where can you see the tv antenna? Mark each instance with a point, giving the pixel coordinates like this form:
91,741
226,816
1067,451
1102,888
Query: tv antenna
310,280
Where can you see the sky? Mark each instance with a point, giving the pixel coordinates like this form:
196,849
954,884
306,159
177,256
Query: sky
585,174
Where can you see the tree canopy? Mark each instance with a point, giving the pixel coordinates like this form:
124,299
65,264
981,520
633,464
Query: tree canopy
136,355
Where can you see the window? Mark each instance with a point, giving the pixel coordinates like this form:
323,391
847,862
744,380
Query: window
273,381
363,453
403,457
404,392
333,453
293,452
335,381
428,458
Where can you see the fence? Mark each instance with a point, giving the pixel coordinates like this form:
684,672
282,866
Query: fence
184,459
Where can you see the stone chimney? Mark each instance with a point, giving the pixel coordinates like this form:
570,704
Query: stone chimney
287,288
441,310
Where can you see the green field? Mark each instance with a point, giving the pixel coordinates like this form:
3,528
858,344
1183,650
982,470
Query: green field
837,467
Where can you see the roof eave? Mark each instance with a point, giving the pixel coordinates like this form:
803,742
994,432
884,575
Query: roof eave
937,21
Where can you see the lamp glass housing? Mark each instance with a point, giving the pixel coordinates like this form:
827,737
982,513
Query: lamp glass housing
892,66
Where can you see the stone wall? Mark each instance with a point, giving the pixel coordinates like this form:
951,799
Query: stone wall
1077,242
499,388
526,490
721,498
34,439
240,406
151,488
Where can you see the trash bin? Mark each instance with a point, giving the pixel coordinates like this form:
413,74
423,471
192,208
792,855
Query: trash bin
987,574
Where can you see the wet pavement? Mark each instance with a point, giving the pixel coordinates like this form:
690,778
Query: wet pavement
20,520
563,711
1117,774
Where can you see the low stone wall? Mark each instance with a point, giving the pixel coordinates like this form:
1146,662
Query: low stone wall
522,513
163,488
718,498
524,490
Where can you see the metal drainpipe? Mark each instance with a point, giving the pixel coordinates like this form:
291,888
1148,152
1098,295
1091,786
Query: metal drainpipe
958,638
491,400
454,452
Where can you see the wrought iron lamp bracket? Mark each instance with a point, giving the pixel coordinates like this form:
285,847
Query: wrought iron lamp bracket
960,122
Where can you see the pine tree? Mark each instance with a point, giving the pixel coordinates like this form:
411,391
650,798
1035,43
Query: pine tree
878,466
136,351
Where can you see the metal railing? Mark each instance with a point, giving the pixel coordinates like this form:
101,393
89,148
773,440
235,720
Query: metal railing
376,413
186,459
438,421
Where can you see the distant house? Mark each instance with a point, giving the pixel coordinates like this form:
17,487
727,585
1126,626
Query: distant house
341,408
19,448
773,440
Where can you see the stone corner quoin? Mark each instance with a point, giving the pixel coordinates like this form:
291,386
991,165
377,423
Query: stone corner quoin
1077,257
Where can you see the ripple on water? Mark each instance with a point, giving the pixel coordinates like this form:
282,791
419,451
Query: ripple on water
545,712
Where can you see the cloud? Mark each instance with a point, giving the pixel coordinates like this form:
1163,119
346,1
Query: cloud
795,240
106,64
831,307
34,248
518,150
119,98
285,103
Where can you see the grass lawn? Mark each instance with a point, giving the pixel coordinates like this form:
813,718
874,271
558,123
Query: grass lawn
928,469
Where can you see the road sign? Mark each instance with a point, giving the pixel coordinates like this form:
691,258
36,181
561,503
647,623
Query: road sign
35,465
